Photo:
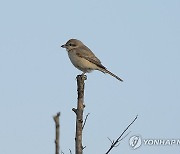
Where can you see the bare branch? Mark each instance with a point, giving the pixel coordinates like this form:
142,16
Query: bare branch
110,140
70,151
117,142
79,113
85,120
84,147
75,110
117,145
57,129
124,136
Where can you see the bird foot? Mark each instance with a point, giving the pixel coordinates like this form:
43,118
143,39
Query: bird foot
82,76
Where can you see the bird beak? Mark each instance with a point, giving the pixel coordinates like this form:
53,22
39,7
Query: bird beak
63,46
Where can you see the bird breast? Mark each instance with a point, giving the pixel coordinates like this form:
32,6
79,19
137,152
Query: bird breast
81,63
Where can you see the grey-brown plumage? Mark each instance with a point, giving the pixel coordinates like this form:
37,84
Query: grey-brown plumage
84,59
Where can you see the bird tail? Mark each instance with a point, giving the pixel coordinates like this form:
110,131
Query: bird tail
106,71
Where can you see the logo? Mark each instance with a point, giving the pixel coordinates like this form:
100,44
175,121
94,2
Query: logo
135,142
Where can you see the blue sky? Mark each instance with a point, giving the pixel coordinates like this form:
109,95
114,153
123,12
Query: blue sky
137,40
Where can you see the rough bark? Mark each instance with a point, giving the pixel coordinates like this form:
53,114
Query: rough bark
79,113
57,130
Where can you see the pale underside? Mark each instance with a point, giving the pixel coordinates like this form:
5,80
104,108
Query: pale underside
81,63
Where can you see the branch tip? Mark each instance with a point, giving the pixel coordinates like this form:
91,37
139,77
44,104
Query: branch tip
120,138
75,110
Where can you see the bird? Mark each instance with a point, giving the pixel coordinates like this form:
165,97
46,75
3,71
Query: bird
84,59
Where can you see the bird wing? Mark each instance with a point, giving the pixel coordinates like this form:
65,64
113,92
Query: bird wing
86,53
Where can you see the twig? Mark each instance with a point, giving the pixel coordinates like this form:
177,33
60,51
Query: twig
57,129
116,143
70,151
110,140
75,110
84,147
124,136
85,120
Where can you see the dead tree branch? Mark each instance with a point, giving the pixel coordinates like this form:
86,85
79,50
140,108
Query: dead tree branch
79,113
117,142
70,151
57,129
85,120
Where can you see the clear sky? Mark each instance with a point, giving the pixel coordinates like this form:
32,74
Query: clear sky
137,40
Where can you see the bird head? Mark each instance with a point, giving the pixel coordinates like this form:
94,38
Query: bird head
72,44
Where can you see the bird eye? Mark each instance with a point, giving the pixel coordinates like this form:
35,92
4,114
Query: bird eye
70,44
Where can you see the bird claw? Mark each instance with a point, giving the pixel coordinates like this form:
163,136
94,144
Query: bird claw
82,76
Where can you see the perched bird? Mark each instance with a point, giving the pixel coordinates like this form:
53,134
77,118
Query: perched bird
83,58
